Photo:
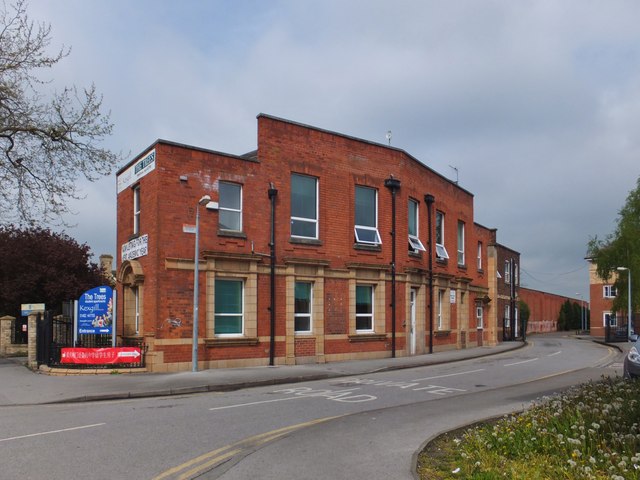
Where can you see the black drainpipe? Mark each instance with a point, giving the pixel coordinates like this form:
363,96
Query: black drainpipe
393,184
429,199
273,192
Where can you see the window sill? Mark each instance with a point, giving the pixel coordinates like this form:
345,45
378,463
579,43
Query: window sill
367,248
231,342
462,266
367,337
231,233
442,261
414,254
306,241
480,270
442,333
309,335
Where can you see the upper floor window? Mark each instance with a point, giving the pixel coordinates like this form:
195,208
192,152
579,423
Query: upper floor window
366,225
460,243
414,242
610,291
441,251
304,206
515,274
136,209
302,306
364,308
479,255
230,206
229,307
507,271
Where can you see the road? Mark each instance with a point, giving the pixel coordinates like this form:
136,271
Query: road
353,427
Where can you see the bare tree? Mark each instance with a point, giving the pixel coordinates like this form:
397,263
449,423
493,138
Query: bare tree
47,140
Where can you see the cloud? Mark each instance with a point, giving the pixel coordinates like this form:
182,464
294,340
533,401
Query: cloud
536,103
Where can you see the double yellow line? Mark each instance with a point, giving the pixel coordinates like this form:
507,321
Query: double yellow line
209,460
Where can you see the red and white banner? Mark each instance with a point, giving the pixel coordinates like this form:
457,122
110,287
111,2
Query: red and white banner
101,356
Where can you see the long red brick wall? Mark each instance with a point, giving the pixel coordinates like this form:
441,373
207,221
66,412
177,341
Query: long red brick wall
544,307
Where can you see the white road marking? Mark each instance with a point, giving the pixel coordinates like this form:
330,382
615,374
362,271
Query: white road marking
449,375
519,363
254,403
52,431
554,354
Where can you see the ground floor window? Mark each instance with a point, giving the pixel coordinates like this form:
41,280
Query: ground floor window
303,302
364,308
609,319
229,307
439,319
479,316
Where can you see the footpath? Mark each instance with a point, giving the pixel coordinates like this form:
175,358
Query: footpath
21,386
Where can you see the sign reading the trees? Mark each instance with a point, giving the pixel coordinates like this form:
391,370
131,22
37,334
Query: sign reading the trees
136,171
95,311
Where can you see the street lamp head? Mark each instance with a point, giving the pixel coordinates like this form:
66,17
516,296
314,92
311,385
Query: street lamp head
204,200
622,269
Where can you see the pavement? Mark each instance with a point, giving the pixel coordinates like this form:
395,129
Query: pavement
22,386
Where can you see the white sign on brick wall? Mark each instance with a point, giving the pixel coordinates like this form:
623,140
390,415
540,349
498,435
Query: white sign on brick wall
138,247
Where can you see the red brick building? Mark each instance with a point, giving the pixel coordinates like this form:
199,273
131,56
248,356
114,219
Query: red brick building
601,295
315,247
507,285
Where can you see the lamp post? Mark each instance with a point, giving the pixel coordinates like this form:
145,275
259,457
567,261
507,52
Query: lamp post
194,359
622,269
582,316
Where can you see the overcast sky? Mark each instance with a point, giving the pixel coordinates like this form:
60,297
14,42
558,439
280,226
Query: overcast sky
536,103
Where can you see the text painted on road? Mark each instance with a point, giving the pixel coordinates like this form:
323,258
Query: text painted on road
345,395
415,386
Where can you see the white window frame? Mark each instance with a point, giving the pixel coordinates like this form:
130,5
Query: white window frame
371,315
314,221
441,251
414,242
507,271
233,210
136,209
461,256
241,314
308,315
609,291
479,256
480,317
439,319
357,228
507,315
611,315
515,274
136,297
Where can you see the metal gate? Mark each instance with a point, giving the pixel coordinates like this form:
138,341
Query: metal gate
616,333
53,334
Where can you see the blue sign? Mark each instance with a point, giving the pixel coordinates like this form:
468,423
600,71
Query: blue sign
95,311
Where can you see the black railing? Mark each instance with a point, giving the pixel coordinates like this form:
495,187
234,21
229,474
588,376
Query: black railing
56,333
616,333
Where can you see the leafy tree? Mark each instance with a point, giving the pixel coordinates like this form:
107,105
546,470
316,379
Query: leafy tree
525,313
40,266
621,249
47,139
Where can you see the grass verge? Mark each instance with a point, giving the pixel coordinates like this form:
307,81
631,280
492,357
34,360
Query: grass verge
592,431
